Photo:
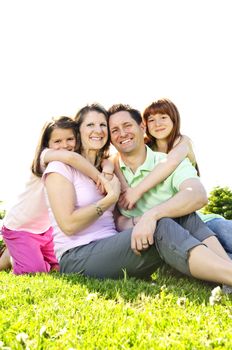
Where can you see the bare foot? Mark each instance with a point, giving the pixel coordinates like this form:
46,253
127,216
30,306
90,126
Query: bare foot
5,262
55,267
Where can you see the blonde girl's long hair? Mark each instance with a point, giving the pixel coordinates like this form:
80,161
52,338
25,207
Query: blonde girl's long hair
61,123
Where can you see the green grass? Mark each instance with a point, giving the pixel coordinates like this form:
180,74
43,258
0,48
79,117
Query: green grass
74,312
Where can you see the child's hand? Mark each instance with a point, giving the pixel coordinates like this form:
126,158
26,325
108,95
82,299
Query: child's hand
100,186
128,198
112,187
107,166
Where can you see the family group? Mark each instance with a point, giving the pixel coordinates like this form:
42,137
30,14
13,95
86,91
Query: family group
91,211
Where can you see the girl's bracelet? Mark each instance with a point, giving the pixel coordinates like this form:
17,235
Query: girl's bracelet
105,173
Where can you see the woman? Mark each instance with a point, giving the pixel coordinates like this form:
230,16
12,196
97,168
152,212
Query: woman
162,121
27,230
85,237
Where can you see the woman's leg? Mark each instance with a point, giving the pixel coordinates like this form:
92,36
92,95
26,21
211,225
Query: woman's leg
110,258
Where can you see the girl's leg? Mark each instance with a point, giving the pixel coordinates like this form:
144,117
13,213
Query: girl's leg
24,249
5,262
214,245
47,249
223,230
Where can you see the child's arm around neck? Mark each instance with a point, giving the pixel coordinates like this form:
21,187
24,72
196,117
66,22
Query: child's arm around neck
73,159
161,171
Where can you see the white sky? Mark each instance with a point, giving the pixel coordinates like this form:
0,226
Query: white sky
56,56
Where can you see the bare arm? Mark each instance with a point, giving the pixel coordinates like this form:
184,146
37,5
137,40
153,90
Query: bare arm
160,172
123,223
192,196
61,195
117,170
73,159
166,167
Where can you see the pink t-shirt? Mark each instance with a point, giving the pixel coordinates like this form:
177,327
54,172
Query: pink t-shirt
30,212
86,194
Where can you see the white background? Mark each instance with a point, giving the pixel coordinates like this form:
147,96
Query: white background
56,56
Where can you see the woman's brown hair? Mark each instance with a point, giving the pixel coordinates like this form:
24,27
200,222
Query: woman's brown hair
79,118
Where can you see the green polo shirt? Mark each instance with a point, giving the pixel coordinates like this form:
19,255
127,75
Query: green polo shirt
163,191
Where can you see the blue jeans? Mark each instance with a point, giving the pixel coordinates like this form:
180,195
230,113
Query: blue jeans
223,230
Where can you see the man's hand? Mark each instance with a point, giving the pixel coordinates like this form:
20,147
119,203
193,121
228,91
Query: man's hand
143,234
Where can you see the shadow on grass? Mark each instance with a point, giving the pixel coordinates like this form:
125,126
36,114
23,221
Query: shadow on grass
130,289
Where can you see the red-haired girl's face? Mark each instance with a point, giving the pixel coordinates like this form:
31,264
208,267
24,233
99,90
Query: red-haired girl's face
159,126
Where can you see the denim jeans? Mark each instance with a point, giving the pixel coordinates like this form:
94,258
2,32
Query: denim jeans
223,230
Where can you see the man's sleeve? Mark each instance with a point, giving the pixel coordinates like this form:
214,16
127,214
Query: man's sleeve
183,172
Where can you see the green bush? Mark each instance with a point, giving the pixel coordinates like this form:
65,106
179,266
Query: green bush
2,211
220,202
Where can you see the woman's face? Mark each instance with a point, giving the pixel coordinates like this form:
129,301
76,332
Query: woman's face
94,131
159,126
62,139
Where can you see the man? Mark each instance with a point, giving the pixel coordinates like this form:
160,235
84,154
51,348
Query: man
180,194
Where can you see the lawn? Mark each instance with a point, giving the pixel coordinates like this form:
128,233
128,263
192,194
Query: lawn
74,312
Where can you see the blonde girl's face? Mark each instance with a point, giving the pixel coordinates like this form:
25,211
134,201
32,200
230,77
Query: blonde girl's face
159,126
62,139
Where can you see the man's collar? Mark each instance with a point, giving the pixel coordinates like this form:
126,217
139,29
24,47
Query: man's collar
148,164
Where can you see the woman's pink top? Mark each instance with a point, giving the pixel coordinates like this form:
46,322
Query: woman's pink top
86,194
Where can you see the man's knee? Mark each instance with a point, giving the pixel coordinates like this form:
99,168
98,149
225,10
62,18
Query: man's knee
174,244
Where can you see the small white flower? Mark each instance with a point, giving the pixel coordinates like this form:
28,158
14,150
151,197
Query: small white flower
22,337
63,331
212,300
181,301
216,295
91,296
216,292
42,330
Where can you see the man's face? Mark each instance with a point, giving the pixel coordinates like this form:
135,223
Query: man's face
126,135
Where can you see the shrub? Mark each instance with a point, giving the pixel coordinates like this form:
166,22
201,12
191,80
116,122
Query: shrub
2,211
220,202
